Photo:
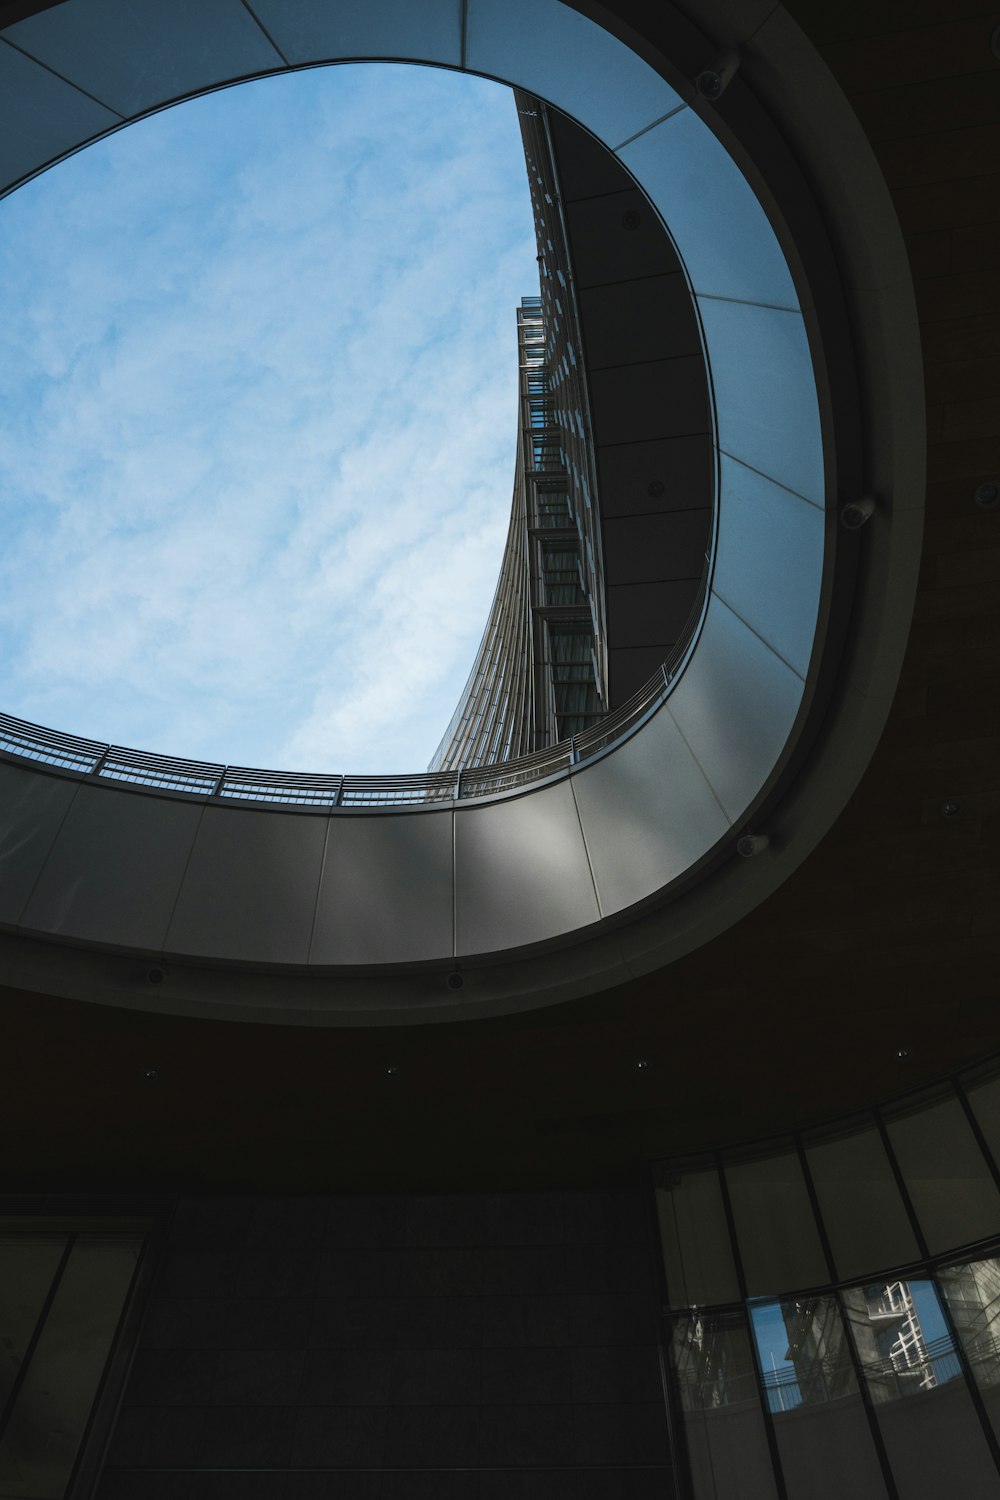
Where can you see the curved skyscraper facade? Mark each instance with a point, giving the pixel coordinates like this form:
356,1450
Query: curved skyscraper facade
540,676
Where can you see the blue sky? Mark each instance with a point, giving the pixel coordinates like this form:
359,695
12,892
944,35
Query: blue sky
258,387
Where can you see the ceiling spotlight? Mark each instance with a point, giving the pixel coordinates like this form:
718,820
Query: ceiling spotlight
455,981
987,494
392,1070
902,1053
950,808
856,513
713,81
643,1062
751,844
151,1074
156,974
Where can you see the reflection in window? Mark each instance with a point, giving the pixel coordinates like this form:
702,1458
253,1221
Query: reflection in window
803,1352
713,1361
723,1422
972,1292
697,1255
775,1226
984,1097
825,1445
948,1179
28,1264
901,1338
53,1373
932,1434
865,1219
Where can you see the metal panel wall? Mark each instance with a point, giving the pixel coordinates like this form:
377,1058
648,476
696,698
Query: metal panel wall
32,807
646,810
309,29
100,882
735,706
250,889
386,895
521,870
134,57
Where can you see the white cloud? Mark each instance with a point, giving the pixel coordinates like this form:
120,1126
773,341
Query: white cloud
258,369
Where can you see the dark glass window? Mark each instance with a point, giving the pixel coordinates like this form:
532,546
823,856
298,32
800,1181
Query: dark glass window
62,1297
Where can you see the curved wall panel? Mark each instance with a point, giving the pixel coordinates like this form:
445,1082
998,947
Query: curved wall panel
99,883
735,706
32,808
387,890
521,867
249,888
644,829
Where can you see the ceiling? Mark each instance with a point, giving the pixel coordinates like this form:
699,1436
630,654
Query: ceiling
887,936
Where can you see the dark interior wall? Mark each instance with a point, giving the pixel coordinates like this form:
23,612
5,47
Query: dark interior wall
477,1347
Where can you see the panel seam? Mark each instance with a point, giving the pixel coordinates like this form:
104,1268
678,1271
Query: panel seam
651,126
319,888
48,855
701,769
264,31
747,302
755,632
180,883
816,504
30,57
586,849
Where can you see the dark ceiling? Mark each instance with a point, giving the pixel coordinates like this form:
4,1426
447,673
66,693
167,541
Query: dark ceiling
887,936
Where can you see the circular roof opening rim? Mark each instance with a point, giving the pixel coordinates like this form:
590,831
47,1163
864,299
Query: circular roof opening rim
124,767
591,971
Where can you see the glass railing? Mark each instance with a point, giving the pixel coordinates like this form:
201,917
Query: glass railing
21,741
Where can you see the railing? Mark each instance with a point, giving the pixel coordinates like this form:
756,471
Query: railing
22,741
830,1377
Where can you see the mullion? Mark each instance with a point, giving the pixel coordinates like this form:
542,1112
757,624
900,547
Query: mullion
741,1282
852,1353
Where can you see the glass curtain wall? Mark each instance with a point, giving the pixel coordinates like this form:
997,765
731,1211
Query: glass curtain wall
62,1298
540,676
833,1307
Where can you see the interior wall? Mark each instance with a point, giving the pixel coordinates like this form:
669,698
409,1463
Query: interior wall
482,1347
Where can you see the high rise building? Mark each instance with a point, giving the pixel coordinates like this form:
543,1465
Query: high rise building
537,678
540,676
